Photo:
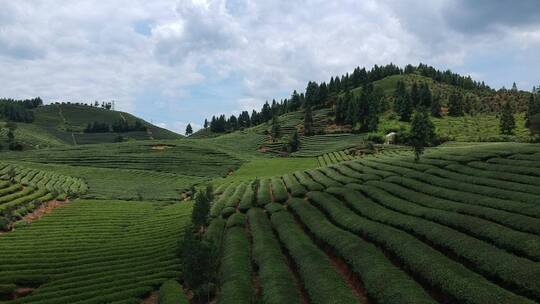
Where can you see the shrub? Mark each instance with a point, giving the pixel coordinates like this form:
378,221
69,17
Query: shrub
171,292
236,220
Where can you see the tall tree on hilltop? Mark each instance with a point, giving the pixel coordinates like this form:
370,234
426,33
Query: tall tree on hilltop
312,94
232,123
455,104
507,122
402,102
189,130
266,112
205,123
426,98
422,132
323,93
295,103
308,121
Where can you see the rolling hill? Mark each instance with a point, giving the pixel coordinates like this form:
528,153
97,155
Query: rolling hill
344,219
64,124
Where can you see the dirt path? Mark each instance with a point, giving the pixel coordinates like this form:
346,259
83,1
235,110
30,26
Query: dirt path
122,116
73,137
149,132
65,122
351,279
45,208
21,292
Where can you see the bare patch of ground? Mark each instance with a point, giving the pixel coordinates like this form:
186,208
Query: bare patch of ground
152,298
161,147
45,208
22,292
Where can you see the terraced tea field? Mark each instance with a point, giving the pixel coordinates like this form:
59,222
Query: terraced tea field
460,226
93,252
22,190
172,157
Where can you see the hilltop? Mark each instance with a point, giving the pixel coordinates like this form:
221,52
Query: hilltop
478,121
65,124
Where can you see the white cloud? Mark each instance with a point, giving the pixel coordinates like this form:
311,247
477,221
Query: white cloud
168,51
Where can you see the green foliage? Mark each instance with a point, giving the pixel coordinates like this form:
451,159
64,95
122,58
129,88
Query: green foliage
435,107
294,142
507,122
113,251
275,131
403,105
383,281
455,104
277,281
533,108
189,130
235,270
197,259
236,220
308,122
201,209
320,279
171,292
422,132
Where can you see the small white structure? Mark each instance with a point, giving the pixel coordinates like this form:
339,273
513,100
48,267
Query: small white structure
390,138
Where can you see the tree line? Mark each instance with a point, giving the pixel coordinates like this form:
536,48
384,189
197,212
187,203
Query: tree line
19,110
119,126
321,95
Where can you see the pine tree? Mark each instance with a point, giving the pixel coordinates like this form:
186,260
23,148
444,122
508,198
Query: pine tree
205,123
402,104
533,108
294,142
201,208
341,111
426,98
189,130
308,122
323,93
507,122
436,106
312,94
422,132
455,104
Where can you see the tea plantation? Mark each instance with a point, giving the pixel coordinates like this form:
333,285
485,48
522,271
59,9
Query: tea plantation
460,226
93,252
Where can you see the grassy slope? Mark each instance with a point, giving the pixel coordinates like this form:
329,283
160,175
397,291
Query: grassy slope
449,213
57,125
100,251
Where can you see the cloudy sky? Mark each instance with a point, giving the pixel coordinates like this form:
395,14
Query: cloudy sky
173,62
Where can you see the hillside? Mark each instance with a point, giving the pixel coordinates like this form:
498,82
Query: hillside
64,124
479,124
374,228
236,216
